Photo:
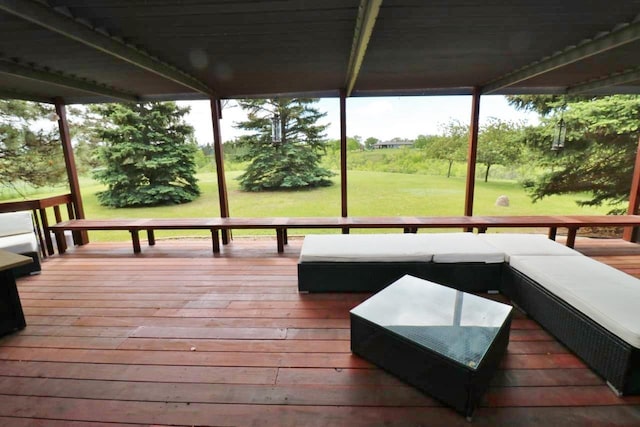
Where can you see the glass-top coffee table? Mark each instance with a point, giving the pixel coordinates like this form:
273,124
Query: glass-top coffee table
445,342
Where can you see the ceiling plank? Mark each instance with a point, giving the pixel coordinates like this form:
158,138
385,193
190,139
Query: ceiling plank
48,18
19,70
616,38
367,14
608,81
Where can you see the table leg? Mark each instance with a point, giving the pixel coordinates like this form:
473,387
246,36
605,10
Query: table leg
552,232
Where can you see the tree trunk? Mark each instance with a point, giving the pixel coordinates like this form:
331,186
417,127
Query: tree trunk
486,174
449,170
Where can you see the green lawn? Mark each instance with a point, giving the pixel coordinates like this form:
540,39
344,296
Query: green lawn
369,193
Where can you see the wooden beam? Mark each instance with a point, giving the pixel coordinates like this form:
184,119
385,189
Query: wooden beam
216,114
367,14
19,70
72,172
343,152
630,234
472,152
585,49
608,81
44,16
24,96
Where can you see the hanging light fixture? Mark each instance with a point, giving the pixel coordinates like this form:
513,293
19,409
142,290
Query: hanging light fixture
559,135
276,128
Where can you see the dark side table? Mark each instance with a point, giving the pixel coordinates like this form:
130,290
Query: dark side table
445,342
11,315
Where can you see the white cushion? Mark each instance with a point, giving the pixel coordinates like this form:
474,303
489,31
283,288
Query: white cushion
19,243
462,247
608,296
440,247
12,223
526,244
364,248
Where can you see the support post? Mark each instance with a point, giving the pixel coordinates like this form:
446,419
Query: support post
472,153
80,237
216,114
343,156
630,234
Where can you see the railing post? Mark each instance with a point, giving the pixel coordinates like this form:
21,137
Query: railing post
216,114
631,233
80,237
472,153
343,157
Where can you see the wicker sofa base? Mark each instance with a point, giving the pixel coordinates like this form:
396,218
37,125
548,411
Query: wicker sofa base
374,276
612,358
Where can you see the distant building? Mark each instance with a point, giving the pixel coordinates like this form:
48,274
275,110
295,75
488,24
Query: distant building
393,144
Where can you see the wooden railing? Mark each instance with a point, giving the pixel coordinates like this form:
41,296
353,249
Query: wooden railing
39,207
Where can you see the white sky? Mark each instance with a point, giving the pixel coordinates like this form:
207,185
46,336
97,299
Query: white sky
383,118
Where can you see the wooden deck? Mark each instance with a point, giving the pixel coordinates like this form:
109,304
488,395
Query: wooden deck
177,336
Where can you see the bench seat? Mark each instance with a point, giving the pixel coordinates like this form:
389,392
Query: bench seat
589,306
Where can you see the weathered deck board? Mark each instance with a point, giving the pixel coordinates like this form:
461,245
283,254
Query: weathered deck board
177,336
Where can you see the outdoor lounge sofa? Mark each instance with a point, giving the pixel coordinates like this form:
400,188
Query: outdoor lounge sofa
370,262
17,235
589,306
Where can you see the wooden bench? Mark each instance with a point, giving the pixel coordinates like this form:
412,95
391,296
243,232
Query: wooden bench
281,225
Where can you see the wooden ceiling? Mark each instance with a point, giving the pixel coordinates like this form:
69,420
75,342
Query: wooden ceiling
86,51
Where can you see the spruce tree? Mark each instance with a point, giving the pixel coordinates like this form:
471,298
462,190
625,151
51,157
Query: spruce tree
28,157
148,154
291,161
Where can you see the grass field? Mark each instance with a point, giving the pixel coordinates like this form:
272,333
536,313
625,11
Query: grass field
369,194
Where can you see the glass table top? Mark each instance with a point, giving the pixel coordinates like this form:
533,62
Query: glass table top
455,324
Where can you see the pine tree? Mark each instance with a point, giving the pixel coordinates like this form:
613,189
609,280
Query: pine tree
291,162
600,149
149,155
28,156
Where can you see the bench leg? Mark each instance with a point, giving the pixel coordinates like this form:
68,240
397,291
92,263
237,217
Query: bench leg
285,236
226,236
280,238
571,237
151,237
216,241
61,242
135,239
552,232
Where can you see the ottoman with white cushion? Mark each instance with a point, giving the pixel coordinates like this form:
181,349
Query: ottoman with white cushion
370,262
592,308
